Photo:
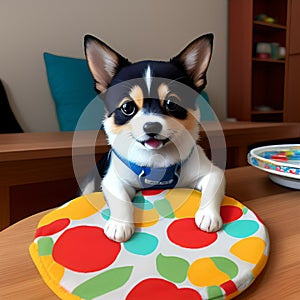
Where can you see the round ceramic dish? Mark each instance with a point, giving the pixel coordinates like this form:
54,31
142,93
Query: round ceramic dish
281,161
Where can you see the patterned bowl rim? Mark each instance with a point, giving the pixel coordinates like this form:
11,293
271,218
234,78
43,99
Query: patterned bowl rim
255,153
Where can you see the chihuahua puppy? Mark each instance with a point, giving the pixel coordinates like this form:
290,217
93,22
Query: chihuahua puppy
152,125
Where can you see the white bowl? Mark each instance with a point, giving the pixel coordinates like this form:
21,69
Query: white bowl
286,171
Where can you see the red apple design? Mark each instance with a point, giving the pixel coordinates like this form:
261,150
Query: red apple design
186,234
52,228
85,249
160,289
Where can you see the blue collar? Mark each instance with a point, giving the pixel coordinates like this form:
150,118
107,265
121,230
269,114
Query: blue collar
155,178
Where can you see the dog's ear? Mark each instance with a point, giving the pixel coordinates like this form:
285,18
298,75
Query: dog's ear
195,59
103,61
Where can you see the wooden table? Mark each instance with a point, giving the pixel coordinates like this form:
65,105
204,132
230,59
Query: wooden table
279,208
36,170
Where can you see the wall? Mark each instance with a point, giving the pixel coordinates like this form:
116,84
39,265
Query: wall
138,29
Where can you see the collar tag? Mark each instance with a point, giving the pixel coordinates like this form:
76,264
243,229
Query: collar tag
160,178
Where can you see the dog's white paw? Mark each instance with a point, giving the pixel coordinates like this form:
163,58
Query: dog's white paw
118,231
208,220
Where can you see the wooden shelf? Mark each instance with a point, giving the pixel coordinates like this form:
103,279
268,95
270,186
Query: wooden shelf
254,81
268,60
266,112
271,25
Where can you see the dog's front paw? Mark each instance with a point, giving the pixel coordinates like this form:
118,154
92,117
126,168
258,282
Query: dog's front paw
118,231
208,220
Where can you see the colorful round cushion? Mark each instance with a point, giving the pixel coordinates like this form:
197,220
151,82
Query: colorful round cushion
168,257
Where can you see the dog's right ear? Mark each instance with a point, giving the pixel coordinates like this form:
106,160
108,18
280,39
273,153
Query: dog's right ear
103,61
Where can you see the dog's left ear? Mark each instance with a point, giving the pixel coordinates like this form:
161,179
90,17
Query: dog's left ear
195,59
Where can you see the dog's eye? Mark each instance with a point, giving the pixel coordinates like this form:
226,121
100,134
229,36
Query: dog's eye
128,108
171,105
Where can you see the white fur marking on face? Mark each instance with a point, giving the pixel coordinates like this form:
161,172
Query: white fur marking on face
148,79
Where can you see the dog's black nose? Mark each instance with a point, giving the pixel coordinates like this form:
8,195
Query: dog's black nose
152,128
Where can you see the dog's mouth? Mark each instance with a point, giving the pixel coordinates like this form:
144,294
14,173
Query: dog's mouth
154,143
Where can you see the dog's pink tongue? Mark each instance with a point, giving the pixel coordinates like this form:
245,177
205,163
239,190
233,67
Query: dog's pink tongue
153,143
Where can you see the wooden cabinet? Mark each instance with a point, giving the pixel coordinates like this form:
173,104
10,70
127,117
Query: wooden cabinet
295,27
264,88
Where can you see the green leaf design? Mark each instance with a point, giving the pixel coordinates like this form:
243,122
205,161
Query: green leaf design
45,246
103,283
245,210
172,268
215,292
226,265
164,208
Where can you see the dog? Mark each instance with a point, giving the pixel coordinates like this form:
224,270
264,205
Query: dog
152,126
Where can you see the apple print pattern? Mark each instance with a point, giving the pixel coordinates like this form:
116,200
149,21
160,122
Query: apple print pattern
168,257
